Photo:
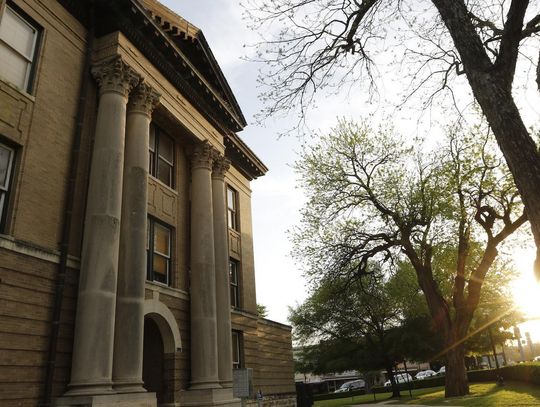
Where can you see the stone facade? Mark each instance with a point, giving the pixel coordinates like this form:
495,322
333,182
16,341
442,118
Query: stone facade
112,332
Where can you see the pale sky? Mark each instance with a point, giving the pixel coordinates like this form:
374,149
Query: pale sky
275,201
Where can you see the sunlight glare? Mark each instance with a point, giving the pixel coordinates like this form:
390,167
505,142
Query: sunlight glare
526,292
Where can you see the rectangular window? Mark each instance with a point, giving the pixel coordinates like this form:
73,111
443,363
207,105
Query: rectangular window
232,205
18,43
233,278
158,249
237,349
161,165
7,156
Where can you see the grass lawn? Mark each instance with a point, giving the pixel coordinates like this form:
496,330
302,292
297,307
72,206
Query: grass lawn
482,395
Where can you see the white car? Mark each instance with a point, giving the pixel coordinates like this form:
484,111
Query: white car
424,374
352,385
400,378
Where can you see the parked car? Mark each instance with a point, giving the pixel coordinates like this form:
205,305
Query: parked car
400,378
442,371
352,385
424,374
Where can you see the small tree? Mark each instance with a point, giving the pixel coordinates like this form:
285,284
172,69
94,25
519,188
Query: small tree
262,311
445,212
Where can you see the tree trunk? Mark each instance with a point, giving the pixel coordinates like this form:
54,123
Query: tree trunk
395,386
493,91
457,383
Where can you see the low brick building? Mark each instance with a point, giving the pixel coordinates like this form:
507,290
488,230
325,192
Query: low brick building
126,251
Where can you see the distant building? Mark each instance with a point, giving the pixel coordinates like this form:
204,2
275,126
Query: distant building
126,252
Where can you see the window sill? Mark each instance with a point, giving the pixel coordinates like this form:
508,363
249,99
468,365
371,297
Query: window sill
162,184
21,92
165,289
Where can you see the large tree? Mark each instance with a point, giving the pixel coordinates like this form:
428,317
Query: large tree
325,43
444,211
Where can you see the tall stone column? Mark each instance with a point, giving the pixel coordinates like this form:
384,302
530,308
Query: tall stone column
91,371
221,250
129,325
204,355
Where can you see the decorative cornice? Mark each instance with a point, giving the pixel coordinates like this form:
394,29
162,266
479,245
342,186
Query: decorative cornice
143,99
202,156
220,166
114,75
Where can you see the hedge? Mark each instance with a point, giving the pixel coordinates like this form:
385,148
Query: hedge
525,372
345,394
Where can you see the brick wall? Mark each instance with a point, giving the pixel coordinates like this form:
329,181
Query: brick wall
26,301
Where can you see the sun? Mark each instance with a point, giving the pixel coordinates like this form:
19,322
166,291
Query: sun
526,292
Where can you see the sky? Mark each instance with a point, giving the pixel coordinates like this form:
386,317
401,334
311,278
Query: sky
276,200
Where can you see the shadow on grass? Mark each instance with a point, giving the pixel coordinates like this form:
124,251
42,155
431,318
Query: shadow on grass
483,395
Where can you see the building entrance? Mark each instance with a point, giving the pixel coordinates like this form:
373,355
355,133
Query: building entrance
153,360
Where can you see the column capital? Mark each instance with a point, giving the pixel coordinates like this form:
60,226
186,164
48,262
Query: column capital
220,166
202,156
114,75
143,99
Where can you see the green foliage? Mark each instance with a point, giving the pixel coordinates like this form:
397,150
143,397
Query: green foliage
262,311
366,324
381,215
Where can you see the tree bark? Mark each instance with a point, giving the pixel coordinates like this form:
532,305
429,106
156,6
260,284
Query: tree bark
492,88
457,383
391,377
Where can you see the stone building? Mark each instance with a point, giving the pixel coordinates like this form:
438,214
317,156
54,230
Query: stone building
126,252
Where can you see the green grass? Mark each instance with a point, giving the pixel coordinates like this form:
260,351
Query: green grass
481,395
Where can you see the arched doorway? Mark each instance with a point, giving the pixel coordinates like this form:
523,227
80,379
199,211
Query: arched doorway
153,356
161,343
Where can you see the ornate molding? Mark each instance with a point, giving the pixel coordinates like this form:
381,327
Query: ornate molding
202,156
220,166
114,75
143,99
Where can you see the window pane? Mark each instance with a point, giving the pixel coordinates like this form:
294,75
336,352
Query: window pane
234,296
231,219
151,164
161,267
231,201
232,272
166,148
164,172
235,348
17,33
161,239
13,67
2,200
152,143
5,163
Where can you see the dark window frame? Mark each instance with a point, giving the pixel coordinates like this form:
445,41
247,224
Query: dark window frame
234,265
36,47
150,239
7,188
154,155
232,209
239,343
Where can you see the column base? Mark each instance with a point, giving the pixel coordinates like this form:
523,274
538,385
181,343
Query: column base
208,397
108,400
226,384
